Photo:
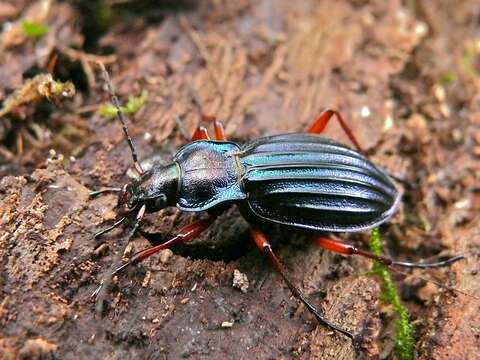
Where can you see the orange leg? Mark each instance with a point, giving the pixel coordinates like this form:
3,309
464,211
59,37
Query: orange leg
321,122
187,233
201,134
263,244
217,126
347,249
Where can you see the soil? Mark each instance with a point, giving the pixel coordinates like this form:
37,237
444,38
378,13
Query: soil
406,77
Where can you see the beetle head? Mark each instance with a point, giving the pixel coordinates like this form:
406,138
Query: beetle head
156,188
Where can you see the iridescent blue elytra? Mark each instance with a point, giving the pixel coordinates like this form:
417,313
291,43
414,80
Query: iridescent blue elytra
299,180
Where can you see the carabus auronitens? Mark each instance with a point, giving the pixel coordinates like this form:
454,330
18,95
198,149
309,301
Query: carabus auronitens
299,180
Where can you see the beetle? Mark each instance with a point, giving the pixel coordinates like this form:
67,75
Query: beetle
299,180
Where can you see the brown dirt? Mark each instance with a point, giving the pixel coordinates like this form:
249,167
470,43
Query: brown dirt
404,75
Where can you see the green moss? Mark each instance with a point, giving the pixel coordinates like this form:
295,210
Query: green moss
404,342
448,78
33,29
131,107
105,16
468,62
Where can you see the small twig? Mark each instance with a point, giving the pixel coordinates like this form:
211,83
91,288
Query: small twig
86,60
88,109
6,154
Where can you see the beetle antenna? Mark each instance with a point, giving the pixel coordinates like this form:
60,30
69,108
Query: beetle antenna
101,292
120,116
105,190
428,265
443,286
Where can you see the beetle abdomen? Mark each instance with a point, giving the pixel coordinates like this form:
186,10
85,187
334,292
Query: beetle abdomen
311,182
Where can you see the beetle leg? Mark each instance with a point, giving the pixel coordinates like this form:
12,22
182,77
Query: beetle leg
101,291
187,233
263,244
201,134
347,249
218,126
110,228
321,122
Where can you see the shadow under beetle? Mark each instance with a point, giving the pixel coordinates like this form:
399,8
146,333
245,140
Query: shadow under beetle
300,180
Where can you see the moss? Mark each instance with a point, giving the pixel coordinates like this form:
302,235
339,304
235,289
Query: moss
131,107
468,61
33,29
448,78
404,342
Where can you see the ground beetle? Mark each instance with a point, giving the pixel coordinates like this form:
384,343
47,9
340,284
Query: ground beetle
300,180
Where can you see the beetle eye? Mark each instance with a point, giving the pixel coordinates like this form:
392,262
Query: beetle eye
161,201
